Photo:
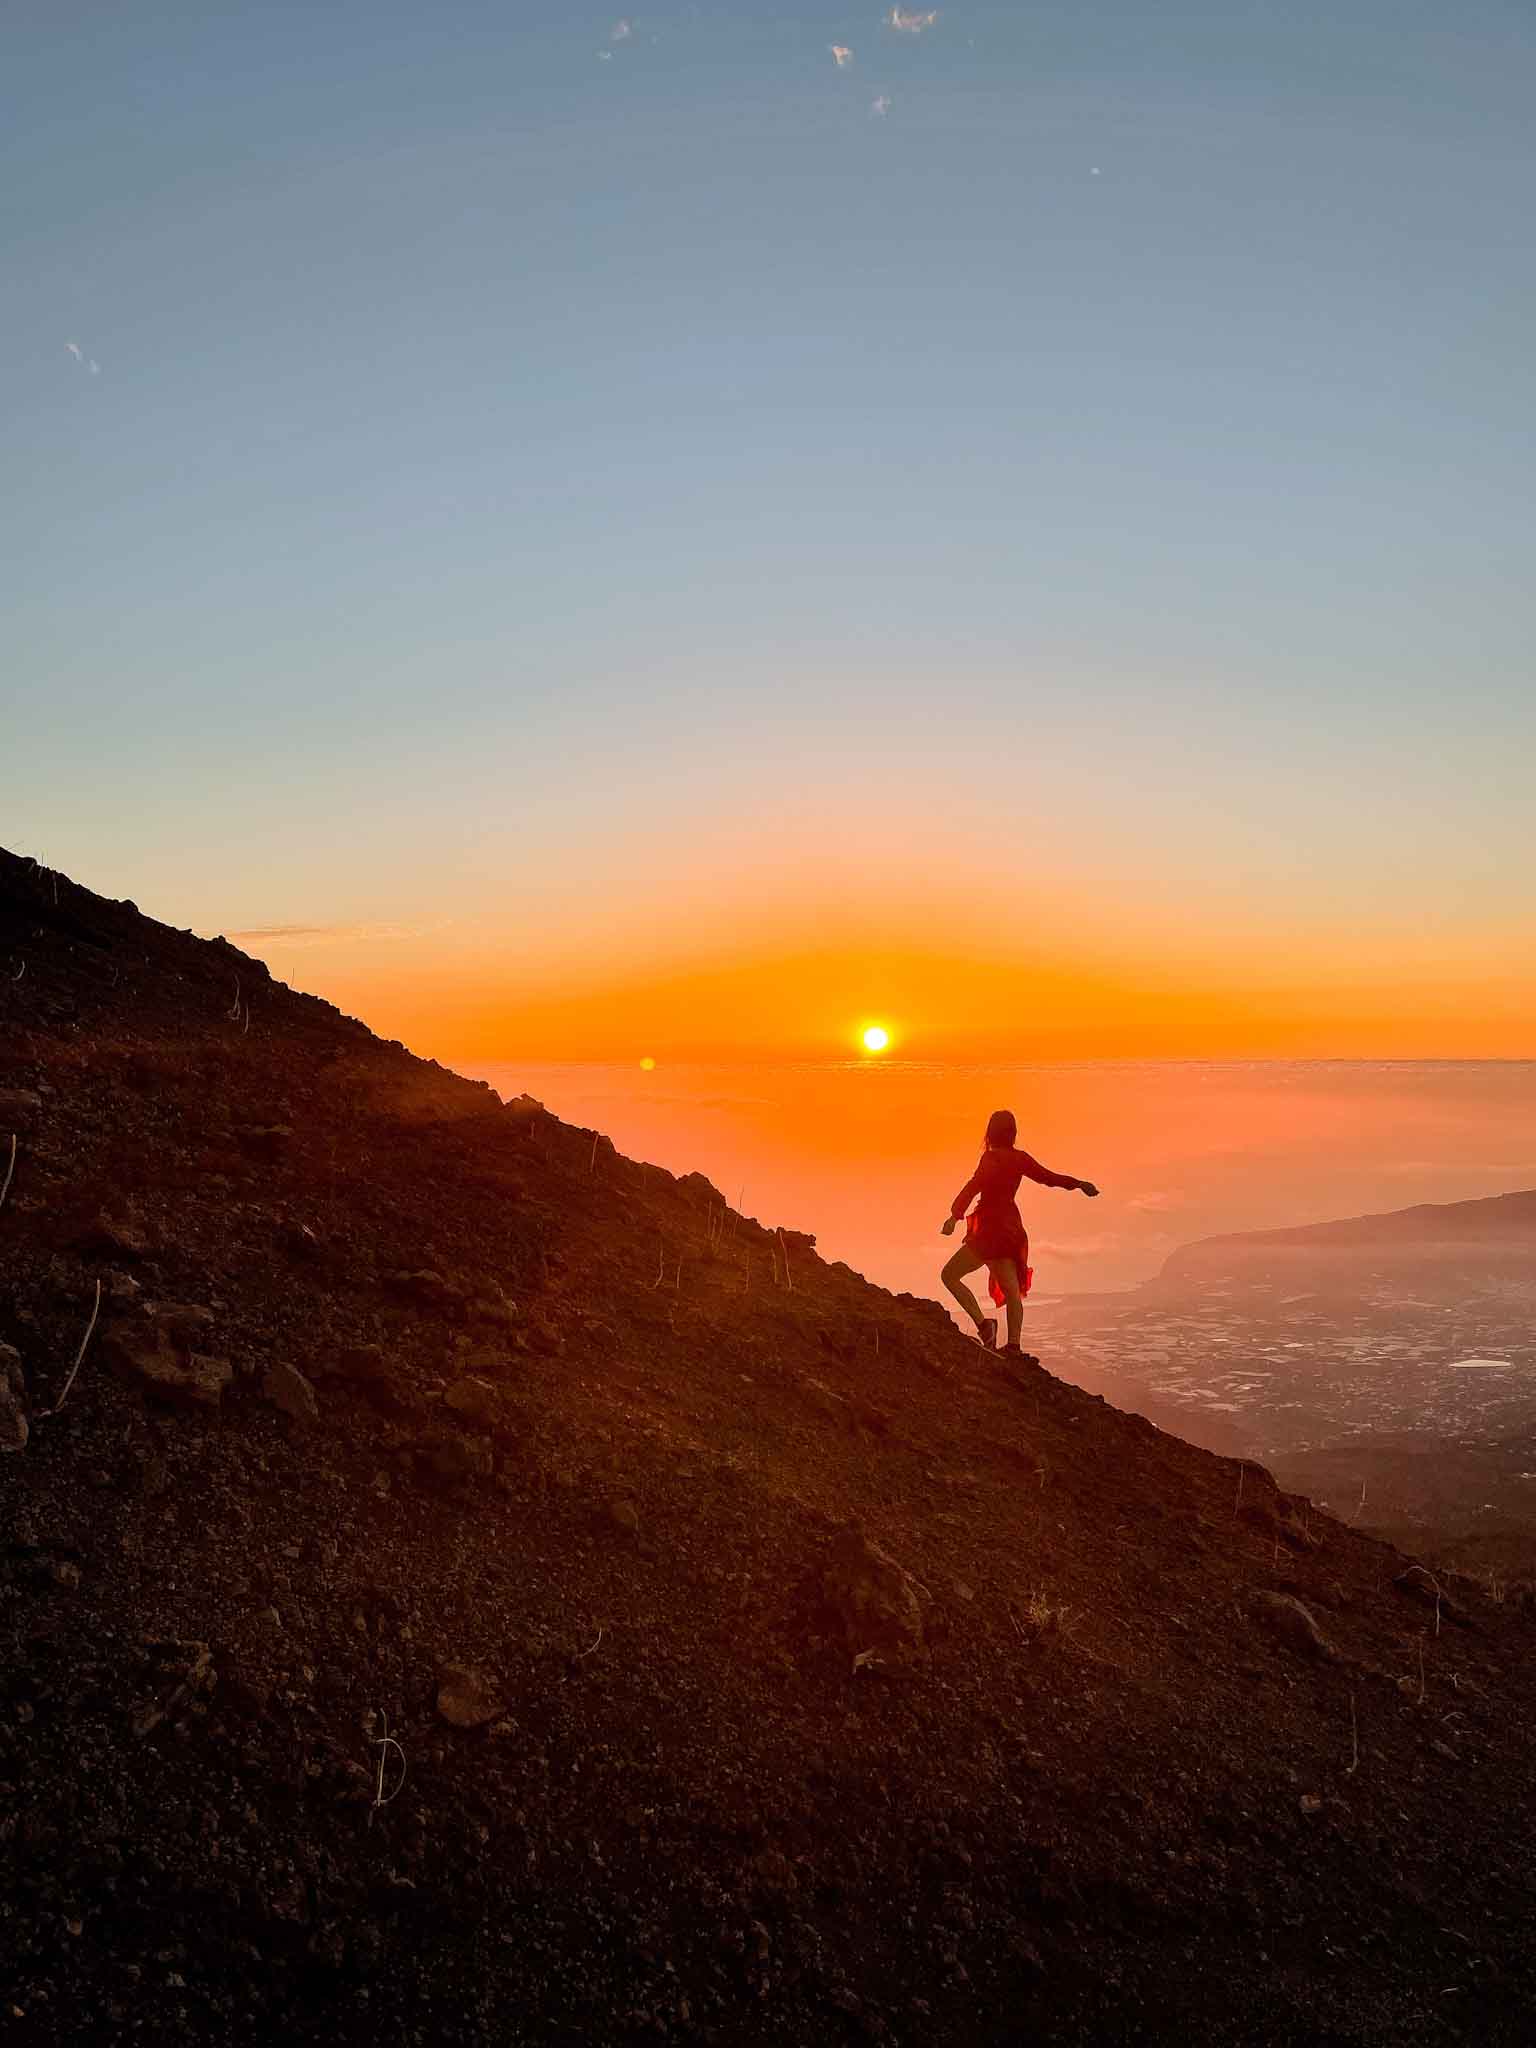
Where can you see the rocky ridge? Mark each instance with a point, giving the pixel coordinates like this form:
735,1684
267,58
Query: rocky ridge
458,1584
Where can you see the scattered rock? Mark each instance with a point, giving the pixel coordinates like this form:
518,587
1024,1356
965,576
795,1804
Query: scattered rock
1423,1585
102,1231
543,1337
18,1106
625,1515
458,1458
286,1388
177,1671
13,1401
300,1243
474,1399
426,1286
467,1698
154,1353
485,1309
1294,1624
187,1323
354,1362
872,1596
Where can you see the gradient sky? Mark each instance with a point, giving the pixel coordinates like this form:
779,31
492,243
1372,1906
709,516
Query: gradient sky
564,538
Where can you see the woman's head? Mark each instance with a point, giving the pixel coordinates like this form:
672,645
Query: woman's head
1001,1128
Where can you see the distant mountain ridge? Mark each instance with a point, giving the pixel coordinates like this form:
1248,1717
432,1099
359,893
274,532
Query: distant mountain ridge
1502,1224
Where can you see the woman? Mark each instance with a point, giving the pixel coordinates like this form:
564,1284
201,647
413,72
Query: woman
995,1236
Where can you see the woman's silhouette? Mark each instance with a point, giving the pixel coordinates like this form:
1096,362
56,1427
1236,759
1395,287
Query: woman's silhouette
995,1236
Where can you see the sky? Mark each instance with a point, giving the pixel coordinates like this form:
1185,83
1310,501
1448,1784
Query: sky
576,534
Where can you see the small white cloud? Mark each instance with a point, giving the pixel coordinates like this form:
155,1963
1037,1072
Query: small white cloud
880,107
910,22
620,32
95,367
842,56
605,56
75,350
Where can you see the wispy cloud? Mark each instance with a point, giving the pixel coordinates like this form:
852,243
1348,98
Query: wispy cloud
842,56
256,936
910,22
880,107
75,350
86,362
1156,1203
621,32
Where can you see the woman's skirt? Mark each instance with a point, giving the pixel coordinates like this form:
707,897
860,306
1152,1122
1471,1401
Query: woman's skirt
997,1237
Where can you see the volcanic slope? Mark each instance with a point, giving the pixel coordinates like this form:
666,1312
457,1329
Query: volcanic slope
410,1414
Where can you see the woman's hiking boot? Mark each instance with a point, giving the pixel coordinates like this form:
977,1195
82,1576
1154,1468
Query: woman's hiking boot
1012,1354
986,1333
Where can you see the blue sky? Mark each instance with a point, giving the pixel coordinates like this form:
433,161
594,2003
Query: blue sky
512,439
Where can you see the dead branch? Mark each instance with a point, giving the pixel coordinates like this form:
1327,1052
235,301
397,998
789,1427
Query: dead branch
80,1354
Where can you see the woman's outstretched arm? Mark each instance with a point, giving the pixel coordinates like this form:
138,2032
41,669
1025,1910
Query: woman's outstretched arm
1033,1170
966,1196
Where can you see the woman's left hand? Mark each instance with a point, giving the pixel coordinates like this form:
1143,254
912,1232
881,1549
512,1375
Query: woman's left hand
948,1226
1088,1187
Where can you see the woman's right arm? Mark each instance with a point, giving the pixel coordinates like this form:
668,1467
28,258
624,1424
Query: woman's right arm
966,1196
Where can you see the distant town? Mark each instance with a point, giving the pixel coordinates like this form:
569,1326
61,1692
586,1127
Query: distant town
1396,1362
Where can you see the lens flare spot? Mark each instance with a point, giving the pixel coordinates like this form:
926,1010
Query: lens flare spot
875,1038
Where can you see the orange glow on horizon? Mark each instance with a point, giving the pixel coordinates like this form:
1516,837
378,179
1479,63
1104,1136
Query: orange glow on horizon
779,983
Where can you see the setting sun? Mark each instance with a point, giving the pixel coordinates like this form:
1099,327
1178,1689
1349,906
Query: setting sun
876,1038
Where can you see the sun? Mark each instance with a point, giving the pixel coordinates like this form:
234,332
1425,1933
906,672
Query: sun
875,1038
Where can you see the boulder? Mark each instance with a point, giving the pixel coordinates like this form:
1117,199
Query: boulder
1295,1625
467,1698
13,1401
873,1597
286,1388
154,1352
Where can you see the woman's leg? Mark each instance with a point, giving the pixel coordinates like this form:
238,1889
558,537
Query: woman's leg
1006,1273
964,1261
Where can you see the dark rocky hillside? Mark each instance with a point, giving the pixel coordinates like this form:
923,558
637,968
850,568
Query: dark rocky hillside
756,1663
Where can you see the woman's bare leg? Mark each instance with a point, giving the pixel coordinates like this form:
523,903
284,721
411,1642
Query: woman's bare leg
962,1262
1006,1273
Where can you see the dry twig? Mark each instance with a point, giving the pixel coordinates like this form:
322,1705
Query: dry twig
384,1744
80,1354
784,1248
5,1186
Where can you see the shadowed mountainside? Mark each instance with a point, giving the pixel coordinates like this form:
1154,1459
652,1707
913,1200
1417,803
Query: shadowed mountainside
762,1665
